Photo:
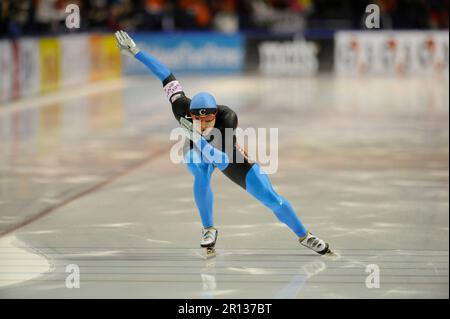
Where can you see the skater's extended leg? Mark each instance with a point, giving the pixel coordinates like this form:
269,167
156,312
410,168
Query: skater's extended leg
259,185
253,179
202,188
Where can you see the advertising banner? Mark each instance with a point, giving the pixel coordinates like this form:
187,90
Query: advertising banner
15,69
96,57
105,57
75,59
9,70
50,70
29,67
6,71
112,57
191,52
282,55
391,53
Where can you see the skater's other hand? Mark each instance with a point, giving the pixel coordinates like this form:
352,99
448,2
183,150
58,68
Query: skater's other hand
189,131
126,44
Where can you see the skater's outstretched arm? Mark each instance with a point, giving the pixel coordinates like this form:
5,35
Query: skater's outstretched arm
129,47
172,88
157,68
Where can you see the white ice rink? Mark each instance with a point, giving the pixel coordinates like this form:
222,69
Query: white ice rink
86,179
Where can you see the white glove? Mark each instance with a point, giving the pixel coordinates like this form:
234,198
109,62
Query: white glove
126,44
189,131
209,153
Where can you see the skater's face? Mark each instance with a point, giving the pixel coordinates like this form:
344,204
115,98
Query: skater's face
204,122
205,126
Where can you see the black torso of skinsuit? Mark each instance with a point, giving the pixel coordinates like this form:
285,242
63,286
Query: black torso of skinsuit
226,118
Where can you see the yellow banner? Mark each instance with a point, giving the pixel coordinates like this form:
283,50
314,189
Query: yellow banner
50,64
113,61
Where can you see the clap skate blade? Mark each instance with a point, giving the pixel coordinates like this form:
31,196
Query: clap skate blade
210,252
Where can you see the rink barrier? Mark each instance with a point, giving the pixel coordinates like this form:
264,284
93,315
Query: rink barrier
191,52
9,71
205,53
282,55
49,64
105,58
395,53
40,65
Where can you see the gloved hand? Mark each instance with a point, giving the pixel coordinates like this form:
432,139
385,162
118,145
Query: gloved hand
126,44
190,132
209,153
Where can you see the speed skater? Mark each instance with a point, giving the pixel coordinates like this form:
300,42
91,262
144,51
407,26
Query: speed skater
199,116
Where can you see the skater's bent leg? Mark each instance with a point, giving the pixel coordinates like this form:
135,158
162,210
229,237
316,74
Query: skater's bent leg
202,188
204,200
259,185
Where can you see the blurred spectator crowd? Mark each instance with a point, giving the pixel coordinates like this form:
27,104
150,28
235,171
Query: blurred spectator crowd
32,17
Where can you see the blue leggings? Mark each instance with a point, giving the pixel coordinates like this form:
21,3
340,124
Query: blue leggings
203,194
256,183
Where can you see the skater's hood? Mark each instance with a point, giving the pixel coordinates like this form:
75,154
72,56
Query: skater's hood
203,100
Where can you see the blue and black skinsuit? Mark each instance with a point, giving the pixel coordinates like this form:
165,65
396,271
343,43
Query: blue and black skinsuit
247,175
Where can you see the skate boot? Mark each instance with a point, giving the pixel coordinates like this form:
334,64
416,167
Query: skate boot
209,237
316,244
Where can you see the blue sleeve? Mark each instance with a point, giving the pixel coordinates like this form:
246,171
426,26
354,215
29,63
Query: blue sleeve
213,155
157,68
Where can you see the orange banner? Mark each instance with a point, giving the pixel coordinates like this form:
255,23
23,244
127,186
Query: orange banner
106,61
